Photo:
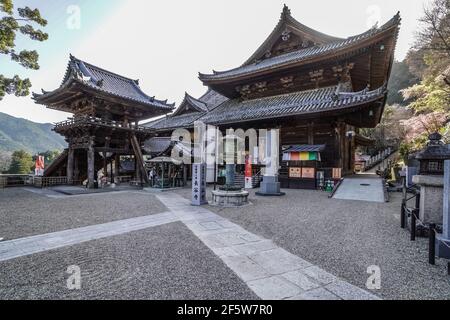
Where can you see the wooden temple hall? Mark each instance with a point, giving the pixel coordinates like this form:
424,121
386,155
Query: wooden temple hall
319,90
104,129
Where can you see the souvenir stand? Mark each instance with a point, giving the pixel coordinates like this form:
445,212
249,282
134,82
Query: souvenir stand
300,167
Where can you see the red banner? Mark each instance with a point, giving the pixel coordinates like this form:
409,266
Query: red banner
248,167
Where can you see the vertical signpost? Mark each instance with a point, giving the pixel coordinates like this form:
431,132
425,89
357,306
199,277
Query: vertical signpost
199,184
199,166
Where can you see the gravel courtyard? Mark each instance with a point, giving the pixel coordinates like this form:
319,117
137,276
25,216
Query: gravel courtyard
165,262
24,213
345,237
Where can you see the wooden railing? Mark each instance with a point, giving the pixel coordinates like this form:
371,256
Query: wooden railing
88,120
45,182
15,180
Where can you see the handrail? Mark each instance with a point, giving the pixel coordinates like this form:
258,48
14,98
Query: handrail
98,121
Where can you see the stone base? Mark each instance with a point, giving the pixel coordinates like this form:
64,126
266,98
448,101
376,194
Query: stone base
270,187
442,251
431,198
229,198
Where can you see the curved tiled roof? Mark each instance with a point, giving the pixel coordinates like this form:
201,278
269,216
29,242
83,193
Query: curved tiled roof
291,104
297,103
299,55
107,82
286,20
175,121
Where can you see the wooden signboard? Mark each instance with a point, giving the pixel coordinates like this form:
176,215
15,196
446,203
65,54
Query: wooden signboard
295,172
337,173
309,173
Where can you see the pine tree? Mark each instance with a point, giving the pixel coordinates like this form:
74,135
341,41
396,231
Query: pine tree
21,163
11,24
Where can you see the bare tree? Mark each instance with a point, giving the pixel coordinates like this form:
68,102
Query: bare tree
435,32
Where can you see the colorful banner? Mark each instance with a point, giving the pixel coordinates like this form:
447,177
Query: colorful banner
302,156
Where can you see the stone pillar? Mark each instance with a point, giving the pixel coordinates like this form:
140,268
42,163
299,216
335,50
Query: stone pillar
70,165
443,241
91,163
270,185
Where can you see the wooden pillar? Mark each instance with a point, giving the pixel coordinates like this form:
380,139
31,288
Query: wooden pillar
311,133
91,163
76,170
105,164
112,171
185,175
70,165
117,165
340,144
137,169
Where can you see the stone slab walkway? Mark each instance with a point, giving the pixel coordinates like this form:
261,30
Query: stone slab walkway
270,271
362,189
35,244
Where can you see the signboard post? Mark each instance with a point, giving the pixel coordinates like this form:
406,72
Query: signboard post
199,184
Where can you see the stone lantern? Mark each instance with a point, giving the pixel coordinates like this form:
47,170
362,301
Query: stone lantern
431,179
432,158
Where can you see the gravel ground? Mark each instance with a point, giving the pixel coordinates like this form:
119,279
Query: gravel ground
23,213
345,237
165,262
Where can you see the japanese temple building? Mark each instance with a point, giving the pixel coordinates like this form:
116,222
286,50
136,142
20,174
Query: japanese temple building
107,109
317,89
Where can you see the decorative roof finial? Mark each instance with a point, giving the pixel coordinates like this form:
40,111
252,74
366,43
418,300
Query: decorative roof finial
286,11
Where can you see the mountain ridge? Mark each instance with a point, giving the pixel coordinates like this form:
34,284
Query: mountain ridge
22,134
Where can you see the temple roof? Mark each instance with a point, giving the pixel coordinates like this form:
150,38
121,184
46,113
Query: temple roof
292,104
303,55
190,104
157,145
308,102
287,22
102,81
305,148
175,121
199,107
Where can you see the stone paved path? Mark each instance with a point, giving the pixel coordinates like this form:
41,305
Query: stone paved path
360,188
35,244
270,271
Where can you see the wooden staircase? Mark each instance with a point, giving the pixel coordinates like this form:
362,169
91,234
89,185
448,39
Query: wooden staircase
139,157
55,165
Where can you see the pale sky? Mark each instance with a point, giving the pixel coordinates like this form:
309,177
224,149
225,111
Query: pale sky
166,43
